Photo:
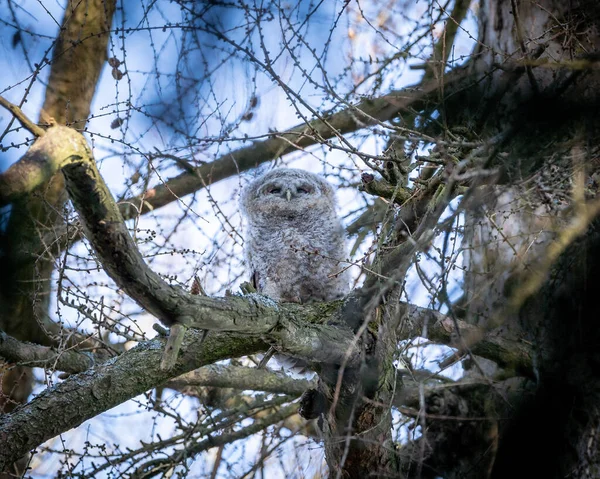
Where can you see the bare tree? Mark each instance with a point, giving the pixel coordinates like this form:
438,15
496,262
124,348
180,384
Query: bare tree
464,143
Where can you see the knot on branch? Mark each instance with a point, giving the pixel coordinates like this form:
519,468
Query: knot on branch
383,189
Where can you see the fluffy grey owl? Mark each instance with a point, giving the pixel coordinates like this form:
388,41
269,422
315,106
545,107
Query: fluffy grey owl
294,238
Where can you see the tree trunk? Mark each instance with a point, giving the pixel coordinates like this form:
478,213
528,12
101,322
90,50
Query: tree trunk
25,284
544,107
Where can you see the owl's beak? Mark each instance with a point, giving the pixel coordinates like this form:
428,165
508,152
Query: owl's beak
288,195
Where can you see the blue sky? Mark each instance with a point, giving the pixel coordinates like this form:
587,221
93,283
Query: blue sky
154,105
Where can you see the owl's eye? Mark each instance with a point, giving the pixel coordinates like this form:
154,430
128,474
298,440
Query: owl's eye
274,190
304,190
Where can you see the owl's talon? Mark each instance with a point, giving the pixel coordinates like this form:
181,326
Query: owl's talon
247,288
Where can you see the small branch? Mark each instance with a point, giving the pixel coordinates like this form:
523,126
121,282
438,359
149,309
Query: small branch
516,356
34,355
354,117
19,115
172,348
383,189
520,37
238,377
158,466
436,65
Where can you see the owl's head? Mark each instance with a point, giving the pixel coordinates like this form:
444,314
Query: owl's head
286,192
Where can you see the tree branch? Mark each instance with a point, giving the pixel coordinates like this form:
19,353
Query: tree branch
45,157
509,354
238,377
96,390
34,355
19,115
216,375
157,466
355,117
284,325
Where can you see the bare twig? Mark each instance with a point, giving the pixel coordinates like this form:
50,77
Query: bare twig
19,115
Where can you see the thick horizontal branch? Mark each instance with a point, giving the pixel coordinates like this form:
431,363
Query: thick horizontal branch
215,375
103,387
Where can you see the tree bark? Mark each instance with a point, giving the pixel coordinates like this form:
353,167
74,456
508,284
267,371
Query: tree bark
96,390
544,109
78,58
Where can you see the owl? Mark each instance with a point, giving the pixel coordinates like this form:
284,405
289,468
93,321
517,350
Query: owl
294,242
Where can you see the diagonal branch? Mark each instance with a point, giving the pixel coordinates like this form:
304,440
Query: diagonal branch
92,392
288,326
368,112
19,115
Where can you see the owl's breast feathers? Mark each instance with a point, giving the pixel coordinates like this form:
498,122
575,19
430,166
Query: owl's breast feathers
298,264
